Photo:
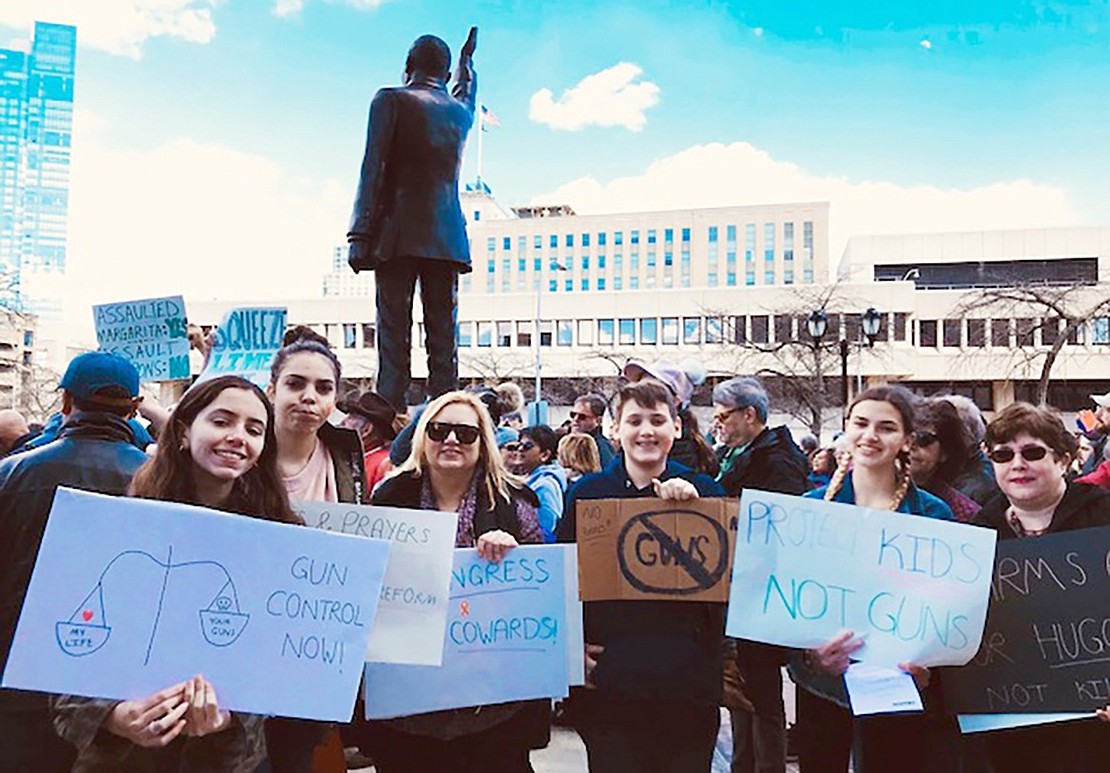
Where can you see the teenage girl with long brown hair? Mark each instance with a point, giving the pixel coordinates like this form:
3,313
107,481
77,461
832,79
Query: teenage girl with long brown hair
217,450
874,472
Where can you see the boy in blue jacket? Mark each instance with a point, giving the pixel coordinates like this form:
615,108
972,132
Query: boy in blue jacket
653,668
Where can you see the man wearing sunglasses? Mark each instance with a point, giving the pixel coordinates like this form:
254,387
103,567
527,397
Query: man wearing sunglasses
586,417
534,458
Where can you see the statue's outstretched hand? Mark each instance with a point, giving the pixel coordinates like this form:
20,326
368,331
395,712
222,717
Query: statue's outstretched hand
470,44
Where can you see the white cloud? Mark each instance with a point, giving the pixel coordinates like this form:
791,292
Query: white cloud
203,220
118,26
606,98
718,175
285,8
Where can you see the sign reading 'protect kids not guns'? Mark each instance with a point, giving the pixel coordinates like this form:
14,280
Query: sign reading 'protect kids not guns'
915,589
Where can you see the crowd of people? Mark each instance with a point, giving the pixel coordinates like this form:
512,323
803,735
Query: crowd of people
657,671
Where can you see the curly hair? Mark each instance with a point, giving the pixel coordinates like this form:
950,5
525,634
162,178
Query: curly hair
168,475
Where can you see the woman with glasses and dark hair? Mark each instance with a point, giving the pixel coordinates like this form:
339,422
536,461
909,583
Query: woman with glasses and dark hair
938,453
455,466
1031,451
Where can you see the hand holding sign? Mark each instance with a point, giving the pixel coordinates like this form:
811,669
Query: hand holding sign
205,716
150,722
493,545
675,488
833,656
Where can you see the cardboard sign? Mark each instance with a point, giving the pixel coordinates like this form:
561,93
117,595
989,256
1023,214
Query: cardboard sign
914,588
506,639
245,344
637,549
412,610
150,334
129,596
1046,647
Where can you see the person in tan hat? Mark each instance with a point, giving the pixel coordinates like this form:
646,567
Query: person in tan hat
375,420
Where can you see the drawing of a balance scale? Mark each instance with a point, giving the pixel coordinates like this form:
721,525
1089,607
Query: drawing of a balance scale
87,630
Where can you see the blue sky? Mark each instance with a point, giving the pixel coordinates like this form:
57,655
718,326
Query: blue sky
224,136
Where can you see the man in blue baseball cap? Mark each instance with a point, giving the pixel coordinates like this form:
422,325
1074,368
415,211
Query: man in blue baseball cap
95,451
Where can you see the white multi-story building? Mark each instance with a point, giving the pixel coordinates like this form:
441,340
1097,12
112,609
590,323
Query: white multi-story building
732,287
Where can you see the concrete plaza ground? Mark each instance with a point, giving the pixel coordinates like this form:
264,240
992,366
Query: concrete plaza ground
566,754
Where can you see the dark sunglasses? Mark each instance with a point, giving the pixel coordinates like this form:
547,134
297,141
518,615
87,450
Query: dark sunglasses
464,433
522,447
1030,453
923,438
580,415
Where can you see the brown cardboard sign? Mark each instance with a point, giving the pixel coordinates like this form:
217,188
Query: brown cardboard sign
641,549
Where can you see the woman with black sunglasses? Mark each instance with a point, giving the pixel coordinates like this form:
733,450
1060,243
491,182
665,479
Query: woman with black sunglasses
1031,451
937,455
455,466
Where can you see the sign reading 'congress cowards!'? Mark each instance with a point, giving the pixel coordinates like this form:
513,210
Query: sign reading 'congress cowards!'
915,588
654,549
245,344
150,334
412,609
1046,647
129,596
506,639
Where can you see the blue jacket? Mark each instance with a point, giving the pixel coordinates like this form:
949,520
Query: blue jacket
549,483
661,657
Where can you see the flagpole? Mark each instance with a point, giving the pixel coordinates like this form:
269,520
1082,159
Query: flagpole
481,131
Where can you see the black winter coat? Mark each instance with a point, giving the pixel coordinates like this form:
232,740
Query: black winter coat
93,452
1079,746
773,462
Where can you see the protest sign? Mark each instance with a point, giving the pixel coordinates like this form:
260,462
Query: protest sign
150,334
245,344
576,635
129,596
637,549
982,723
1046,647
506,639
412,608
915,588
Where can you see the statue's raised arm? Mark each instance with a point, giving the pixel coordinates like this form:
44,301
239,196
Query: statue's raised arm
466,84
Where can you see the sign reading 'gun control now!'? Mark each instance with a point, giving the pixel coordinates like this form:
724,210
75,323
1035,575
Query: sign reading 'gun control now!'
655,549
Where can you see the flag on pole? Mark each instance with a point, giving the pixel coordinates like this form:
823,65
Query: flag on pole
489,118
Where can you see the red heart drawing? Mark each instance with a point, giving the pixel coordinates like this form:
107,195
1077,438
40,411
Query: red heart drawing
87,614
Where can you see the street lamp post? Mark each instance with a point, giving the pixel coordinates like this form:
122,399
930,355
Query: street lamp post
817,324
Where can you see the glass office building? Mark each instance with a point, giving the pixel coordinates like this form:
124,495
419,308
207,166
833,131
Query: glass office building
36,129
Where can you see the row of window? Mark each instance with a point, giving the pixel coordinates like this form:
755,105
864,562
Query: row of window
1024,332
754,329
601,238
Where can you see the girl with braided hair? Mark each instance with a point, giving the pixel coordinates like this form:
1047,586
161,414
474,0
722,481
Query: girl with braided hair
874,472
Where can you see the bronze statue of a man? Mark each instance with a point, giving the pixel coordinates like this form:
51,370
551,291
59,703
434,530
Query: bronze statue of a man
407,223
